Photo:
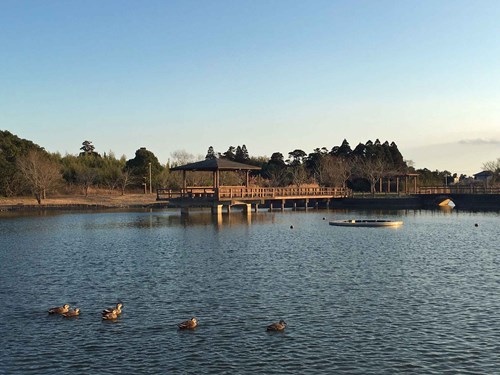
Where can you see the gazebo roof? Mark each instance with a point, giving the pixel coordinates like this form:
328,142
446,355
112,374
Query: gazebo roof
212,165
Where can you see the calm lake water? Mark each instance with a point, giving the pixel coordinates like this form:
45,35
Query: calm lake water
423,298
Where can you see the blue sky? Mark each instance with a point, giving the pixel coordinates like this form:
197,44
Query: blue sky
273,75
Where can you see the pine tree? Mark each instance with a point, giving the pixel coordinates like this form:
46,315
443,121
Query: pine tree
211,153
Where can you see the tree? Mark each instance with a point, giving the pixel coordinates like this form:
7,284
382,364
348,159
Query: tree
140,164
211,153
360,150
181,157
344,150
373,169
88,149
277,158
493,167
278,176
86,176
313,161
230,153
297,156
113,174
39,173
11,148
275,170
334,171
298,174
397,158
241,155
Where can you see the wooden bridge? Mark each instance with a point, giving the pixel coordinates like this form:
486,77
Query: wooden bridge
463,197
217,196
229,196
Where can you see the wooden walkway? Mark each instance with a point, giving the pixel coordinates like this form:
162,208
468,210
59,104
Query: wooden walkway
458,190
240,195
243,193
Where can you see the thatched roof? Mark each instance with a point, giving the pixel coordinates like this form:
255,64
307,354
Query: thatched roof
212,165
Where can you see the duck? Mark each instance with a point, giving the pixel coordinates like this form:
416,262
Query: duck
278,327
72,313
59,310
117,309
111,315
188,324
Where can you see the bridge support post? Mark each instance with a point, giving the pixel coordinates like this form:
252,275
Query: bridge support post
270,206
328,204
282,205
256,207
306,203
228,208
247,209
217,209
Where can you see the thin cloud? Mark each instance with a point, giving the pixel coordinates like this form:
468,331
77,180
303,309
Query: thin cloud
479,141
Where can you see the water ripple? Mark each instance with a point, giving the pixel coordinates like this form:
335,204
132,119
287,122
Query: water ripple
420,299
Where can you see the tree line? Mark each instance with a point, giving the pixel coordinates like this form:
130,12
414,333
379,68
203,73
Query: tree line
28,169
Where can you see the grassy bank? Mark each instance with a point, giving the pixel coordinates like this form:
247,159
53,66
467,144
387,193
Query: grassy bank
92,200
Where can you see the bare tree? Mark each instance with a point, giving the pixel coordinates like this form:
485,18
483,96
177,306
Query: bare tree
181,157
86,177
278,177
39,173
124,180
298,174
493,167
373,169
334,171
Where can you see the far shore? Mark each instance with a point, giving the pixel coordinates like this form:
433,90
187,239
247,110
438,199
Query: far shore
80,201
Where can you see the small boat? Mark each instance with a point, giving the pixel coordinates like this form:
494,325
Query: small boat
366,223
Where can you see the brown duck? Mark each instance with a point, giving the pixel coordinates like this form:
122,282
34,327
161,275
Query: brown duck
188,324
117,309
111,315
277,327
72,313
59,310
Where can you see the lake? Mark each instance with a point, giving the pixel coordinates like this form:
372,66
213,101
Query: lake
422,298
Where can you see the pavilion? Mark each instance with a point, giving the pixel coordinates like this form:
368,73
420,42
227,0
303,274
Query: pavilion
216,166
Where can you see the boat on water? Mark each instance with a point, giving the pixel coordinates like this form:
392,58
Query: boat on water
366,223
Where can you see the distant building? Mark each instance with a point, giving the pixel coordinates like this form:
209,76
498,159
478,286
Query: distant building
484,176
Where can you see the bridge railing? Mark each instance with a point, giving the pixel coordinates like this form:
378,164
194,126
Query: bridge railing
241,192
195,192
284,192
458,190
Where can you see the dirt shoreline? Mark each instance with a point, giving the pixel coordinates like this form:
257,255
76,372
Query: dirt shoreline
80,201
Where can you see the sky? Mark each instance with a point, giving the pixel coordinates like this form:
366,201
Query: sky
275,75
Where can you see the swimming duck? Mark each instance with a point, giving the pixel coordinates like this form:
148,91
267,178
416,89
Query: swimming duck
72,313
118,309
111,315
188,324
59,310
280,326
